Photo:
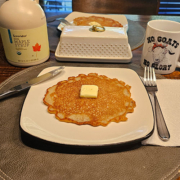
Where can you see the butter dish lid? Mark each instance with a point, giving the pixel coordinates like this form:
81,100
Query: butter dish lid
81,43
86,31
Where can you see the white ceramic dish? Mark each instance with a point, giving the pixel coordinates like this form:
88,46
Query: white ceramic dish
36,121
80,44
102,48
120,18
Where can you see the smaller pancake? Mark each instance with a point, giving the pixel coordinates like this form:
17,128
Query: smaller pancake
86,21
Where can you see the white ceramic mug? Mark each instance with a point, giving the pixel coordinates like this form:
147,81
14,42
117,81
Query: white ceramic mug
161,48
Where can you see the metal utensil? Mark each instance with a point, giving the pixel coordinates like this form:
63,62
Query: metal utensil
64,21
31,82
151,87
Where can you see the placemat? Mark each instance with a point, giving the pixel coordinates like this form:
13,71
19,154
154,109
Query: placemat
136,33
24,157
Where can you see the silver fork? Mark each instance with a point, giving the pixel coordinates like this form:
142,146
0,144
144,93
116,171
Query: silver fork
151,87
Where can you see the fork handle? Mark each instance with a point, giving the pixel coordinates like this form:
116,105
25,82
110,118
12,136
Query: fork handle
161,124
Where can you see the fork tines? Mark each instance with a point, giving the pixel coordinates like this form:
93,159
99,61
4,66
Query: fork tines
149,76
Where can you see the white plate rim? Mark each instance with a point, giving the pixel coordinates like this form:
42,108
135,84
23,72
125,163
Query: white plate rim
23,126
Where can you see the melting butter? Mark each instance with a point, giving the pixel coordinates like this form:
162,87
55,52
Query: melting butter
94,23
89,91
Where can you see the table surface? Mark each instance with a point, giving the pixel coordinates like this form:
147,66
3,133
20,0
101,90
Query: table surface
7,70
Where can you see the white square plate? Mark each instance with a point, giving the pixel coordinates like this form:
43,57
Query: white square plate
36,121
120,18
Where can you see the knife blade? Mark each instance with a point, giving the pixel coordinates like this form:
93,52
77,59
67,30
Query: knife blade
31,82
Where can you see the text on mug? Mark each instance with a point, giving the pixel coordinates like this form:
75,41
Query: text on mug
165,40
157,66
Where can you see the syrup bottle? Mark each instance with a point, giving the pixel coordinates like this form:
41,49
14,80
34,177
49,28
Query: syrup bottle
23,31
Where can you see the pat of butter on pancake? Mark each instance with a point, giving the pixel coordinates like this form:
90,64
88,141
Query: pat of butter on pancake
89,91
94,23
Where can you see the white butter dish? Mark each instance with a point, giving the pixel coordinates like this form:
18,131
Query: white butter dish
79,43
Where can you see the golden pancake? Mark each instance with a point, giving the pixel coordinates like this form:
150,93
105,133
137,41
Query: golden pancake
112,103
86,21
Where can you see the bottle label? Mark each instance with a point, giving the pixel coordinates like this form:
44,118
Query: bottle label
25,46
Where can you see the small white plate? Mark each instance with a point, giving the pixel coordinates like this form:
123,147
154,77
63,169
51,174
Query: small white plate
36,121
120,18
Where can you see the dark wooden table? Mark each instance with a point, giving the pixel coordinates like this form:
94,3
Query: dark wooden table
7,70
